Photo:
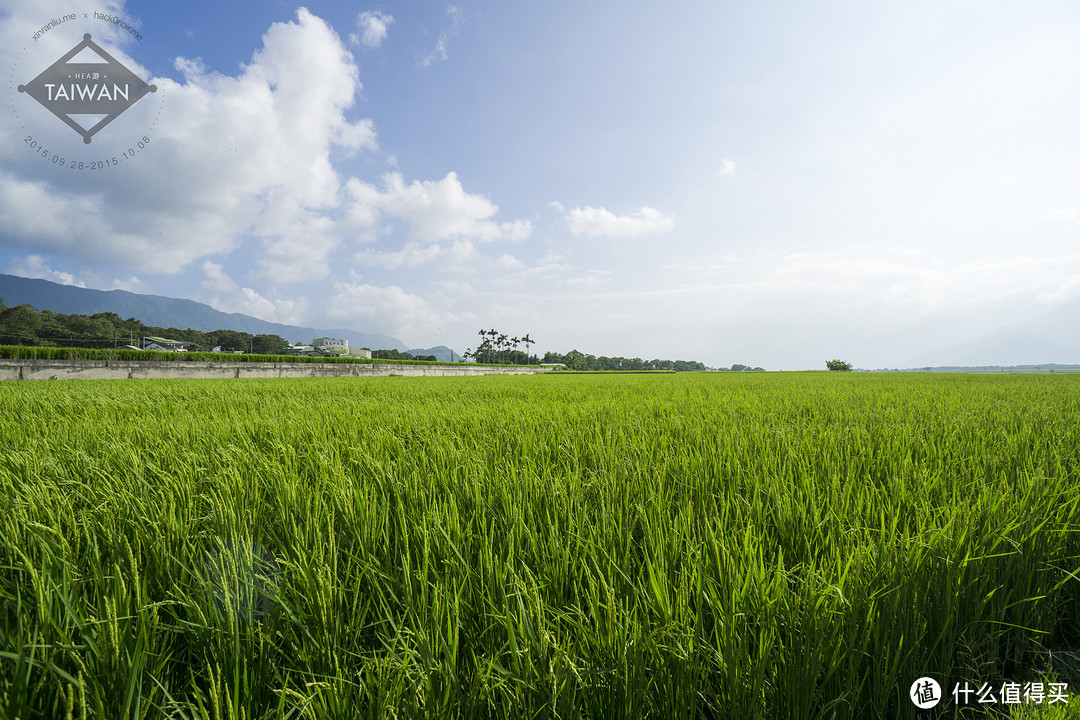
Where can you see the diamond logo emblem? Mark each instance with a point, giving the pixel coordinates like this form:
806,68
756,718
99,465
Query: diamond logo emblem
87,88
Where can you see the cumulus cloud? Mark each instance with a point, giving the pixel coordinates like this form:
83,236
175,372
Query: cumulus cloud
301,254
373,27
230,156
34,266
600,222
247,158
216,280
241,170
223,293
386,309
434,210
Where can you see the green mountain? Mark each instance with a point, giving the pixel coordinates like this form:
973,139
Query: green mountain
168,312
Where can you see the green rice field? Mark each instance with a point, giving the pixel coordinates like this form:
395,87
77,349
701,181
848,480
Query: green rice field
713,545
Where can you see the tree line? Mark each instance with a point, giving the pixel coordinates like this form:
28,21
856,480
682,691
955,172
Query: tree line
398,355
575,360
498,347
26,325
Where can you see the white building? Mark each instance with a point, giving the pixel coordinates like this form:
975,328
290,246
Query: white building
331,345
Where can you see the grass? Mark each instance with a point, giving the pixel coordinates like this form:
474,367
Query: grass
669,546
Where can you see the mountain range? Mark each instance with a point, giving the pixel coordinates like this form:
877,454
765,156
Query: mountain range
168,312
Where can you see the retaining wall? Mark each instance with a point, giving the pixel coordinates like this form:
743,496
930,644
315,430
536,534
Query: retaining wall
158,369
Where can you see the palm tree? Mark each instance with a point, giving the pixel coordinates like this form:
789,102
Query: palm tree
485,352
528,341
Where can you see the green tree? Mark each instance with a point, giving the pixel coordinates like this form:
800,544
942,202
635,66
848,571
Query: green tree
554,357
485,352
231,340
20,325
391,354
269,344
576,361
838,365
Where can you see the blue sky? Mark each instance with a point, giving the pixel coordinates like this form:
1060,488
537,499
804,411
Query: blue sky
771,183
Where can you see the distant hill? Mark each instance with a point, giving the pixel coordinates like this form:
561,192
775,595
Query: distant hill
1053,337
441,353
1048,368
1000,349
169,312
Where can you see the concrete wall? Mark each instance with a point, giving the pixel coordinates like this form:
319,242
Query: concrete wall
157,369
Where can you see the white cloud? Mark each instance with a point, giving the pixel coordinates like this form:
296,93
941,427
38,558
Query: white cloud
507,261
250,155
417,255
434,210
457,18
216,279
593,279
727,168
386,309
301,254
600,222
223,293
916,282
34,266
374,25
438,210
439,53
713,264
1061,216
132,284
1066,220
543,271
247,164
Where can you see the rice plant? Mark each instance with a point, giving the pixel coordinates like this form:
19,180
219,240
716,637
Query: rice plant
668,546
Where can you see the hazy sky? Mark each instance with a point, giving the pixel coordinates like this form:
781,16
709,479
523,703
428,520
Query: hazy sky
769,183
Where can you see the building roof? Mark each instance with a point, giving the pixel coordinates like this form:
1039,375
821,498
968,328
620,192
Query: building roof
165,341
